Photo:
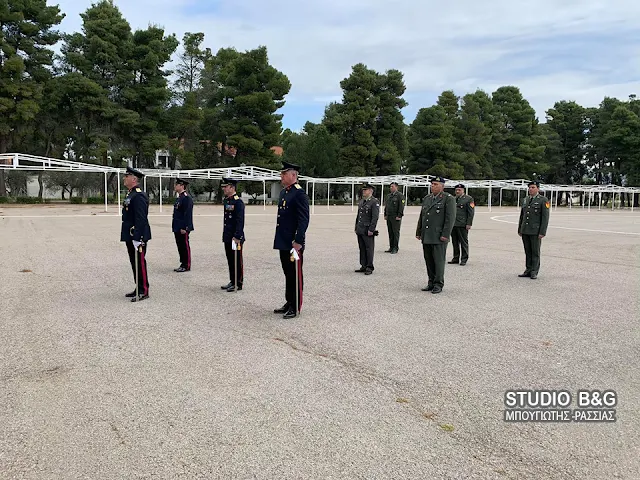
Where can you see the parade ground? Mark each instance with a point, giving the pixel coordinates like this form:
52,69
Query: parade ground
375,379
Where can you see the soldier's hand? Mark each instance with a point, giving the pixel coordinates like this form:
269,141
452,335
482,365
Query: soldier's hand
398,218
236,240
385,217
540,237
297,246
418,237
468,227
519,234
444,239
183,231
370,233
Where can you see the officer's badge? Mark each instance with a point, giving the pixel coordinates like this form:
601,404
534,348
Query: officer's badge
472,205
138,190
298,186
235,197
547,204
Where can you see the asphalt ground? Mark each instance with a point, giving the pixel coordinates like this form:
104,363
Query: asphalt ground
375,379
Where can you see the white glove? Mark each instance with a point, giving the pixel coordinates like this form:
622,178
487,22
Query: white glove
136,244
234,245
294,252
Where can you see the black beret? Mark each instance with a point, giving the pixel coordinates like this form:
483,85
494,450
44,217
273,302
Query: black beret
367,185
438,179
533,182
181,181
133,171
228,181
394,183
459,185
289,166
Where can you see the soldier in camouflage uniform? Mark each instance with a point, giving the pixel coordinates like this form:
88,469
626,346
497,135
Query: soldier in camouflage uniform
532,227
465,208
435,223
366,222
393,212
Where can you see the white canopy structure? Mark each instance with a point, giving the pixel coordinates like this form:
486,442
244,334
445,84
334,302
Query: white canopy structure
23,162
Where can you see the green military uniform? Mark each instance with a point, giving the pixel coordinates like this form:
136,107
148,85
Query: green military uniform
465,208
436,220
534,220
394,209
365,228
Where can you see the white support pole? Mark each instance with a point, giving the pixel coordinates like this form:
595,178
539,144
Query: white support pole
160,182
264,195
557,192
633,200
382,194
613,201
353,194
313,197
489,197
501,198
570,199
106,193
518,192
328,191
118,187
145,183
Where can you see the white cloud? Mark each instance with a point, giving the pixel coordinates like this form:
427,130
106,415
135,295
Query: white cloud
462,45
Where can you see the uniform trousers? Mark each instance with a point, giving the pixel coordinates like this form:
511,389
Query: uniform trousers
143,279
291,270
435,256
532,245
393,227
184,249
460,241
236,269
366,244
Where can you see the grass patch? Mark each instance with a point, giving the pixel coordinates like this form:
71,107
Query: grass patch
447,427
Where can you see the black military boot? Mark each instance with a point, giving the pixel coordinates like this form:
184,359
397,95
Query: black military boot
283,309
227,286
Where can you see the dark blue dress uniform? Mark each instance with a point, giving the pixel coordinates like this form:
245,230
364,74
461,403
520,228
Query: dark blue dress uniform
292,224
135,227
183,220
233,227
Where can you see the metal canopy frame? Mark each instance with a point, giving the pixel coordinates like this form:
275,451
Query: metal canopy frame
24,162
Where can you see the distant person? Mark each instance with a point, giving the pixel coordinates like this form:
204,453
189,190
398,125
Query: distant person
393,212
233,234
465,209
435,224
532,227
136,232
366,222
291,229
182,224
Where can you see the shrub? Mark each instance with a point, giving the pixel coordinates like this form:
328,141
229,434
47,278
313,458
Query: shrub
96,200
28,200
4,199
75,200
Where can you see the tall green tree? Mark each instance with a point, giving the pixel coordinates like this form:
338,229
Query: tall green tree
243,92
26,33
314,149
568,120
475,132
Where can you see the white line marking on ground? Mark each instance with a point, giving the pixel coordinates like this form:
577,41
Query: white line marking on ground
497,219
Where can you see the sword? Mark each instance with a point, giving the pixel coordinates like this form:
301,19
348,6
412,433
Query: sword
137,288
296,259
235,269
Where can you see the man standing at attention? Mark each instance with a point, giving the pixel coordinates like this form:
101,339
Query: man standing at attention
233,234
393,212
435,224
136,232
465,208
532,227
291,228
182,224
366,221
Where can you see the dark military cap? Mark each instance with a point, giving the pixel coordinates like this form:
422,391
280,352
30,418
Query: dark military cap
181,181
533,182
289,166
133,171
438,179
459,185
228,181
367,185
394,183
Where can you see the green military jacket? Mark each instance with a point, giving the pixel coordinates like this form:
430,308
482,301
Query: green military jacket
437,217
394,205
368,214
465,208
534,216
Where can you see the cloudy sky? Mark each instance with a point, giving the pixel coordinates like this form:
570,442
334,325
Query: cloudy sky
551,49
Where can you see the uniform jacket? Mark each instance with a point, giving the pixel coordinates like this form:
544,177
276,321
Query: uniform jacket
233,226
293,217
534,216
394,205
135,217
465,208
183,213
437,217
368,214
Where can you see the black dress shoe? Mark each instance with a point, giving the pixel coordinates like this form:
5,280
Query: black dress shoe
525,274
181,269
533,276
428,288
360,270
140,298
226,287
394,251
130,295
283,309
436,290
453,262
232,288
462,264
388,251
290,314
368,271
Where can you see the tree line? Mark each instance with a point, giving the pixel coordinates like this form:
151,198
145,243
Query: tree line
110,97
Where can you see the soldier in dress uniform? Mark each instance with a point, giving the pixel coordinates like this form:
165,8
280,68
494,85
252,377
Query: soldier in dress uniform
233,234
136,232
435,224
532,227
465,208
365,228
182,224
393,212
291,228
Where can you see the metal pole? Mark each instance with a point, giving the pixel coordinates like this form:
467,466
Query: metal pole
119,186
570,199
106,194
328,189
613,201
557,199
489,197
353,194
313,198
382,194
160,182
501,198
264,195
518,192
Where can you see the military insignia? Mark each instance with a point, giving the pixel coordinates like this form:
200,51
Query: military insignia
403,202
472,205
298,186
547,204
235,197
284,202
138,190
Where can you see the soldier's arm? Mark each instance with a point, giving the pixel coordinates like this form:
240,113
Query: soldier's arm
189,214
385,206
375,214
302,212
544,220
239,210
470,212
450,217
520,220
401,206
419,227
140,205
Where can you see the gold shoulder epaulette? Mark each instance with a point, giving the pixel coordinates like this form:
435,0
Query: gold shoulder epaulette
138,189
298,186
236,197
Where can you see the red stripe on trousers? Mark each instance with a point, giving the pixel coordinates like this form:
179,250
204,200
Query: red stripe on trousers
188,251
143,267
299,273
